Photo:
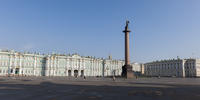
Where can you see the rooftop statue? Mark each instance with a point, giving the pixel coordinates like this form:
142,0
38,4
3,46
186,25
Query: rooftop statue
127,22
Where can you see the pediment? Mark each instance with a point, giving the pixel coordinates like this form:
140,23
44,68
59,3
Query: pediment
76,56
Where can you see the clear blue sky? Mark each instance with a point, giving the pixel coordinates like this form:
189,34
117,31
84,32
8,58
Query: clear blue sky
161,29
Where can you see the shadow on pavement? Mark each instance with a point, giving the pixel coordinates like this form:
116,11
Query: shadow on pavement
52,91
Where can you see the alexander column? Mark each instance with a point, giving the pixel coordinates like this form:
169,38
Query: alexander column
127,68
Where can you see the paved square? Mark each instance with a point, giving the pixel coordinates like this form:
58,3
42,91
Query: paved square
63,88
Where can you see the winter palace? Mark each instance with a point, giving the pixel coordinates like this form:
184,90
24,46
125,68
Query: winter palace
32,64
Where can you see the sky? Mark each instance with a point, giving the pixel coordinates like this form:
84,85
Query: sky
160,29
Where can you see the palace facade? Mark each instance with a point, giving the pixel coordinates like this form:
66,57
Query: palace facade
174,67
29,64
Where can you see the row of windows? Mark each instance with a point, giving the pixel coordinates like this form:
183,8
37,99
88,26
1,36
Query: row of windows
190,72
3,71
164,65
23,65
4,57
66,63
191,63
169,67
17,58
190,67
164,74
23,72
160,68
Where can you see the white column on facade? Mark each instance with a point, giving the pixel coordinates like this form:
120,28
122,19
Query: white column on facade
99,63
95,67
92,68
46,67
65,67
66,72
23,65
56,66
72,63
34,66
53,67
14,65
49,69
79,67
98,67
72,72
51,64
10,65
84,67
20,64
183,68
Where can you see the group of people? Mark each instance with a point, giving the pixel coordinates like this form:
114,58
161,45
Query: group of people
114,78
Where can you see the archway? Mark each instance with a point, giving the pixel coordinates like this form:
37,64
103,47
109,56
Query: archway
82,73
75,73
69,73
17,71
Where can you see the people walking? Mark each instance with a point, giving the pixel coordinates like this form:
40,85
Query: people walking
113,78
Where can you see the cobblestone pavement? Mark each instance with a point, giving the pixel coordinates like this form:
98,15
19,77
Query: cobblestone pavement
66,88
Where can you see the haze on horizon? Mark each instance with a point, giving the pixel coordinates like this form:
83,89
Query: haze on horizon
160,29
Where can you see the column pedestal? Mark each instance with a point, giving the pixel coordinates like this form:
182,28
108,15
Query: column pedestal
127,72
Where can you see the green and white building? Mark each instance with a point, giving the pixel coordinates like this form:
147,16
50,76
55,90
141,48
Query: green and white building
31,64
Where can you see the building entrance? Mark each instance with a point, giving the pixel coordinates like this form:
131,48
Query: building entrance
82,73
75,73
69,73
17,71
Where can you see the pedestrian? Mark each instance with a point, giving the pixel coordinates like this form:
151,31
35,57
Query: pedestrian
113,78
